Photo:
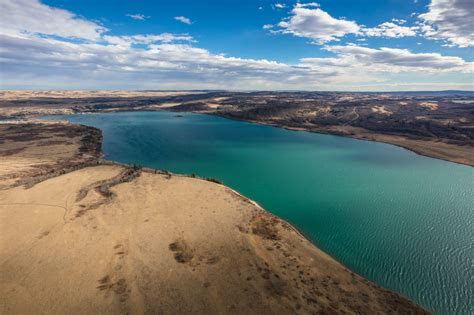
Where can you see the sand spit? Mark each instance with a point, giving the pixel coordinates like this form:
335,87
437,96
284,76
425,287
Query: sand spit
111,239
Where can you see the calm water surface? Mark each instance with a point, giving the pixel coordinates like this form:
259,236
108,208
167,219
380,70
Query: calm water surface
401,220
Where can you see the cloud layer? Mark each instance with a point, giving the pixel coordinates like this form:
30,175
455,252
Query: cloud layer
310,21
390,60
22,17
450,20
56,48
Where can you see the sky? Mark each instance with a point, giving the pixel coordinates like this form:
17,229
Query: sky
328,45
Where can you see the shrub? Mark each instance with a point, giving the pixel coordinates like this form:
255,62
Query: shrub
214,180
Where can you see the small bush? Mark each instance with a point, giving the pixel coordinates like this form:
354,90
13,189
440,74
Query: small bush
214,180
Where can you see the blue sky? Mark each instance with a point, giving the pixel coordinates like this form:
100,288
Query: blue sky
240,45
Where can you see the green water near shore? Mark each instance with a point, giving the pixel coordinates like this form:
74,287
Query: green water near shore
397,218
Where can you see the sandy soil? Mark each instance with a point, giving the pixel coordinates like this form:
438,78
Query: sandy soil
381,110
429,105
107,239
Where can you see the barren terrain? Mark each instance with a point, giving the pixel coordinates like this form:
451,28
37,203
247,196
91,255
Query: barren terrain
37,150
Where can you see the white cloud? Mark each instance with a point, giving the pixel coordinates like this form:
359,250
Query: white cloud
147,39
389,29
451,21
138,16
309,4
399,21
183,19
316,24
168,63
392,69
279,6
391,60
25,17
309,21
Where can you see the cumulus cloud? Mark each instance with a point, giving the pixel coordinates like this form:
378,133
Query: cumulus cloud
24,17
447,20
309,21
391,30
399,21
451,21
138,16
183,19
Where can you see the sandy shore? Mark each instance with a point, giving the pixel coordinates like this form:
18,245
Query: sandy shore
111,239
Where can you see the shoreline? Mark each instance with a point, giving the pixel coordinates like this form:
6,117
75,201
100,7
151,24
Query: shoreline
369,136
261,214
442,132
338,134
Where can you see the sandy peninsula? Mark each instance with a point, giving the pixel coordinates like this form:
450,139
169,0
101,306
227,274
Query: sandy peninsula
83,236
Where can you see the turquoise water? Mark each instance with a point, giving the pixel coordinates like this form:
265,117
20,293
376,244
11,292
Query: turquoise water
401,220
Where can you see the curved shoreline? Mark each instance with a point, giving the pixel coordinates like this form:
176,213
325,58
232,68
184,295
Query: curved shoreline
339,134
268,213
366,136
263,230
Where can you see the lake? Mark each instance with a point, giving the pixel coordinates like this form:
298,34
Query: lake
402,220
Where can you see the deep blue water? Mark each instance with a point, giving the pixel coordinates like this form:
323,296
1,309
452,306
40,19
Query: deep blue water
397,218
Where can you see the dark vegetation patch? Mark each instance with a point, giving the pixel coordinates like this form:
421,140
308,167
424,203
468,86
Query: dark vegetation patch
11,151
265,226
103,188
119,287
214,180
182,253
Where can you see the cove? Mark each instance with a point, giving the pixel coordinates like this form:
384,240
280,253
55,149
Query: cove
397,218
